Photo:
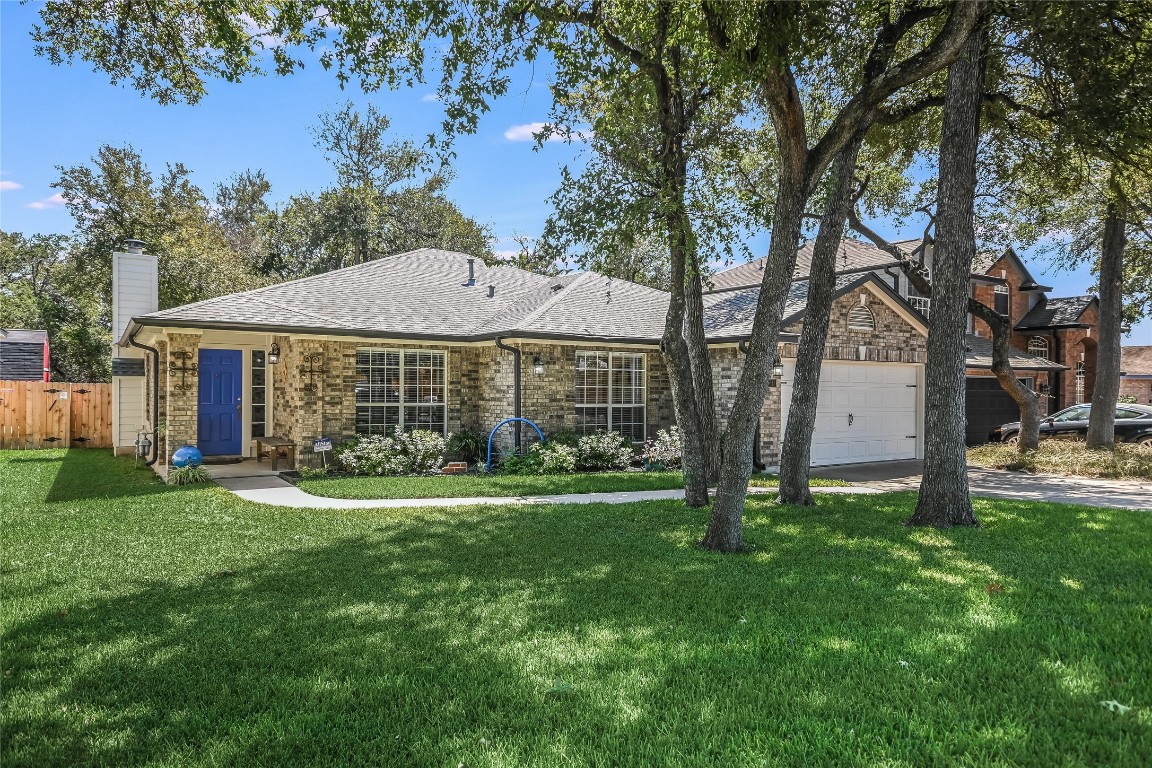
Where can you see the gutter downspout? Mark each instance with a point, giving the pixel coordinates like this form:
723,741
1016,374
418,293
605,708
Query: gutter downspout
155,395
757,463
516,410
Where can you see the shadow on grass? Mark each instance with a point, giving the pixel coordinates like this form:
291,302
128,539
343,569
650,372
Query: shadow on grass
86,474
440,639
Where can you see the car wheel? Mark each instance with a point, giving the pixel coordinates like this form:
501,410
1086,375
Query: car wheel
1011,439
1145,443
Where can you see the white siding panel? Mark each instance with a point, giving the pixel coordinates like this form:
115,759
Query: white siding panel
134,288
129,413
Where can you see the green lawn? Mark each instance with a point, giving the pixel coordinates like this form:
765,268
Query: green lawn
162,626
472,486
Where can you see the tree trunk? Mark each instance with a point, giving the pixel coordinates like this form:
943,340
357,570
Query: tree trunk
675,344
725,527
796,451
701,368
943,501
1026,400
1105,393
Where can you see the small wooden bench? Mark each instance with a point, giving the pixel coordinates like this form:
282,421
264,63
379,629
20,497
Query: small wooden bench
274,446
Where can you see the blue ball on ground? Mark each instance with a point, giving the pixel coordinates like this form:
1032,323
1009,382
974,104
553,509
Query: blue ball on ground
188,456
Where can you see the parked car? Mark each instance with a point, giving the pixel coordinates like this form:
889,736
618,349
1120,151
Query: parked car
1133,425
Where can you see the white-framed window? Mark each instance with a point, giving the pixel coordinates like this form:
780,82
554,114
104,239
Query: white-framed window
860,318
400,390
1000,298
259,393
1038,346
1080,375
610,393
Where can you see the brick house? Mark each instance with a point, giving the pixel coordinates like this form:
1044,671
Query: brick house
1053,339
1136,373
439,340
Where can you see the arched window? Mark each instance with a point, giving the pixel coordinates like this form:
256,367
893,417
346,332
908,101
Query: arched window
1038,345
1079,381
860,318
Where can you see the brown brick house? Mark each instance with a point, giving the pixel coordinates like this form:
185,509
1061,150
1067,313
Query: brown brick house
438,340
1053,339
1136,373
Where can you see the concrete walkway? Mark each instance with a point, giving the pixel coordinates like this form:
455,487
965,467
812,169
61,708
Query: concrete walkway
1003,484
281,493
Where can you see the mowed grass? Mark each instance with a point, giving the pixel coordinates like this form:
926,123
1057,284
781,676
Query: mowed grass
151,625
476,485
1068,457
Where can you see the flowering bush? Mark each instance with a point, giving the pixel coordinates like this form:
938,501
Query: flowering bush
603,450
556,458
667,449
418,452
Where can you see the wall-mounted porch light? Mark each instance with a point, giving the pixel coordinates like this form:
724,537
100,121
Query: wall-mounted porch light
274,353
537,366
1044,388
777,367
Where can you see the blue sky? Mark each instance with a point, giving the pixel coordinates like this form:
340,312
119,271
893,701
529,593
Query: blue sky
52,116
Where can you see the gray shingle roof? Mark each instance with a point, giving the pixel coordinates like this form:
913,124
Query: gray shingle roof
23,336
1050,313
852,256
424,293
979,355
729,314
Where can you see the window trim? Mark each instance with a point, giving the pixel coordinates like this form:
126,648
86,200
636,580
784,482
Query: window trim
400,404
1037,341
643,405
1002,290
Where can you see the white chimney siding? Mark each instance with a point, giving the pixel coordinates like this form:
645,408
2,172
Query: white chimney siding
135,286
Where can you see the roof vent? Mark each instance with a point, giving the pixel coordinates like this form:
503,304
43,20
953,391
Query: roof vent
134,246
471,272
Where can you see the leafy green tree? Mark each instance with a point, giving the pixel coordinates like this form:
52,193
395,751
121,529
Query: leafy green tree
37,294
385,201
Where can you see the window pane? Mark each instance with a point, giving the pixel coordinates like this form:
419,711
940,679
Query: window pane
629,422
590,420
259,375
429,417
257,430
257,413
377,419
257,358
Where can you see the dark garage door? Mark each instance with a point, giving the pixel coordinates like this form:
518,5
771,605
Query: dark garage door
987,406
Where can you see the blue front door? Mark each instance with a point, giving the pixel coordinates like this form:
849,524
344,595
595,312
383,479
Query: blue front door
221,394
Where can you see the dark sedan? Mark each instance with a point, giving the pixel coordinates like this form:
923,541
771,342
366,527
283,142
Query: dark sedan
1133,425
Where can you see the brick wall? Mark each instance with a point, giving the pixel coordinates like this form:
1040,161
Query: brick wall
181,404
893,341
1141,389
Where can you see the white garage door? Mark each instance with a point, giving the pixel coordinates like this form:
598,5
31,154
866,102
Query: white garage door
865,412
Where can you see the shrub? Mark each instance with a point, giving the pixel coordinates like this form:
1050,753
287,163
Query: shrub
603,450
313,473
556,458
188,475
530,463
564,437
667,449
466,445
418,452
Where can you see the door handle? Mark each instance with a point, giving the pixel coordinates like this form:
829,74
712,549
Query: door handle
851,419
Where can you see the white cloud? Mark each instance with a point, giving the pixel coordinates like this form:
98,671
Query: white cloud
526,131
56,201
10,185
507,254
430,97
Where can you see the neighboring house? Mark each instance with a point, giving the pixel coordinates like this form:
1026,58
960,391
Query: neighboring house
1053,340
1136,373
24,355
437,340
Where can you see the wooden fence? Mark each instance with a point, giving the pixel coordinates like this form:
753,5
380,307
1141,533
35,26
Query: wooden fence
39,414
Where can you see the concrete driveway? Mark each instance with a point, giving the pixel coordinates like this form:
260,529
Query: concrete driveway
1002,484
